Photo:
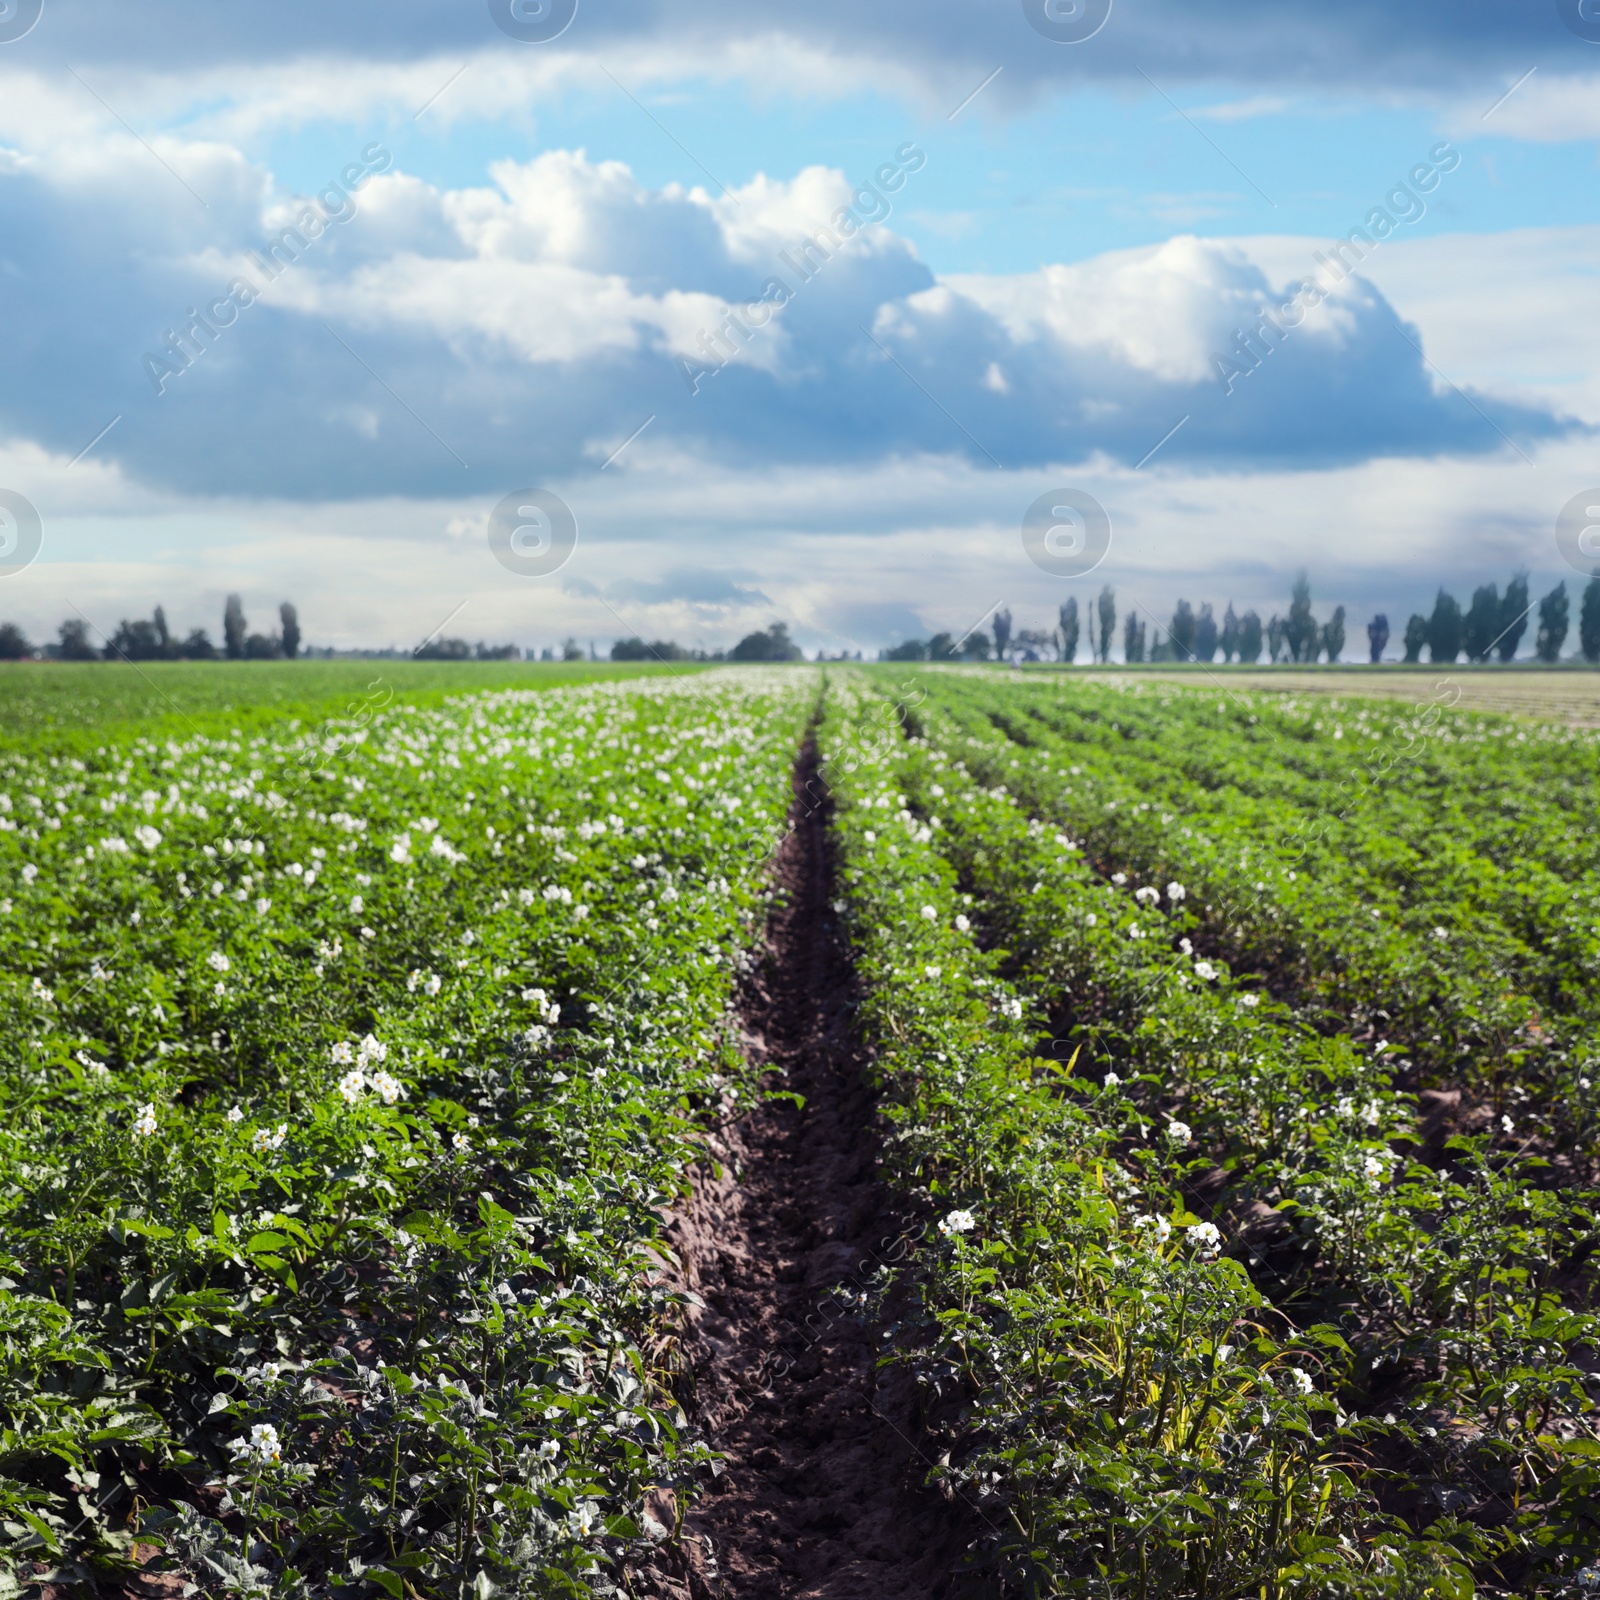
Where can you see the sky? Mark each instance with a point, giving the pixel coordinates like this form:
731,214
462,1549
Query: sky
534,318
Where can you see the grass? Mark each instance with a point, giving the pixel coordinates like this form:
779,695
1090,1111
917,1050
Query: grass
57,703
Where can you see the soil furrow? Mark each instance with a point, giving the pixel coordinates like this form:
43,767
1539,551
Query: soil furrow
820,1496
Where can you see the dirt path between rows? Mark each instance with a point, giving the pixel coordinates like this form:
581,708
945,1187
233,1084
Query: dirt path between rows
820,1497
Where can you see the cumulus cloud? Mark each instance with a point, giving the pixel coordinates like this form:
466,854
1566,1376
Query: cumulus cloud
388,336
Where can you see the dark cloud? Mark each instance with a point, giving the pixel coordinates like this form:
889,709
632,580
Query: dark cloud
1362,44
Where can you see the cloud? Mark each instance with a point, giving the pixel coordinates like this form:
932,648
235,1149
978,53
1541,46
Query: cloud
936,47
391,337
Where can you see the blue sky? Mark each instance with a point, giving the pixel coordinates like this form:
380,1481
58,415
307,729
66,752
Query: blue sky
543,240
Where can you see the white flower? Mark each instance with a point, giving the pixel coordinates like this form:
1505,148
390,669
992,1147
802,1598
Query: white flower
357,905
219,962
236,1115
144,1125
147,836
460,1142
1090,918
1375,1168
585,1520
264,1444
1119,878
1204,969
388,1088
370,1050
1507,1124
1179,1133
933,972
351,1085
1147,894
929,914
434,983
1224,1351
263,906
1176,891
579,913
40,992
958,1222
1011,1006
1159,1226
400,851
1250,1001
550,1449
1440,933
963,923
261,1141
1186,946
29,873
1205,1239
1302,1380
1112,1081
343,1054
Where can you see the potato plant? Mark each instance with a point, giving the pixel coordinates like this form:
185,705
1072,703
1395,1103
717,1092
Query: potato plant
350,1067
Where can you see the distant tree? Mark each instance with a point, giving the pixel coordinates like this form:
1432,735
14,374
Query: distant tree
1160,649
1589,621
1229,637
290,619
1205,635
941,646
447,650
1552,625
772,645
1300,632
636,649
1031,643
263,647
163,637
1514,609
1250,638
906,650
1333,635
1482,622
13,642
1182,632
1107,606
1002,632
75,644
234,628
198,646
1444,630
1416,637
1133,639
975,647
134,641
1068,616
1378,636
1277,638
495,652
571,650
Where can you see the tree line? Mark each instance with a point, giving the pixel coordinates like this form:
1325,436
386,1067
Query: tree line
1492,626
150,639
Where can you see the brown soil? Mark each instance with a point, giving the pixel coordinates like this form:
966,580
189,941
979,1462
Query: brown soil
820,1495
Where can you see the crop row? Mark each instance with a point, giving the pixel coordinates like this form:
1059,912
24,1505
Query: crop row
1178,1114
348,1072
1402,892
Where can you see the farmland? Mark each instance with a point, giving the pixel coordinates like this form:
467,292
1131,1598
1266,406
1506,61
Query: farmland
778,1132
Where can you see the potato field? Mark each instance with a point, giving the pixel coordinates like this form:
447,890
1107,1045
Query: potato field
799,1131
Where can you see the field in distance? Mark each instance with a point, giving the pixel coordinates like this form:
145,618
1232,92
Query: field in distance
50,701
1566,694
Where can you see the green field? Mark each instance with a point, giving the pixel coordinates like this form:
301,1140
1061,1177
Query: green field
58,700
1235,1063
